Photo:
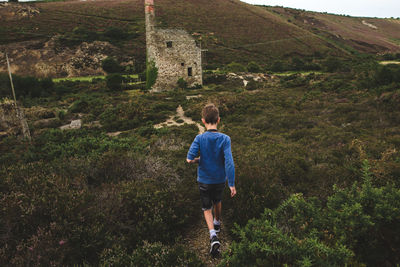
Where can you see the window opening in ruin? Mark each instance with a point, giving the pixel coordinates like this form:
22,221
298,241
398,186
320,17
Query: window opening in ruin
182,64
169,44
190,71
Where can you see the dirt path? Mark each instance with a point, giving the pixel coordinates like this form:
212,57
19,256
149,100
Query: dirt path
198,240
181,120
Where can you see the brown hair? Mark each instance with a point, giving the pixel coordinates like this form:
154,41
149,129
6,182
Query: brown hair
210,114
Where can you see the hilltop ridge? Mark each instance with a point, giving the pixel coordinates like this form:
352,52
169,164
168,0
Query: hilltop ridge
229,29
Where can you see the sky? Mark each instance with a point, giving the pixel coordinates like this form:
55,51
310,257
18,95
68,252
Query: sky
358,8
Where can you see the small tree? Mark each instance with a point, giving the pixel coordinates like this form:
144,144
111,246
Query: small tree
297,63
252,85
277,66
110,65
151,74
114,81
253,67
332,64
235,67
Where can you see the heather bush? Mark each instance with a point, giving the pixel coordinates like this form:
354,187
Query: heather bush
110,65
182,84
354,227
61,213
235,67
150,254
253,67
114,81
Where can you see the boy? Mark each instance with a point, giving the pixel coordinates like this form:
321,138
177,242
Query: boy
215,167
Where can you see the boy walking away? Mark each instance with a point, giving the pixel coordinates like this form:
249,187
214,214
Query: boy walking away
215,167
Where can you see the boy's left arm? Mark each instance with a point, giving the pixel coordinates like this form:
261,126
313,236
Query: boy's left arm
193,152
229,166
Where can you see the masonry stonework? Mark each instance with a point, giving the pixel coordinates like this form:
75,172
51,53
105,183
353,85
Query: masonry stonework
174,52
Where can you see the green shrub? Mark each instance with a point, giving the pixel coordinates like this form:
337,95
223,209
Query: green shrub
110,65
332,64
77,36
297,63
125,116
55,214
114,81
235,67
142,76
214,78
80,105
61,114
115,33
55,143
253,67
278,66
182,84
356,226
252,85
150,254
151,74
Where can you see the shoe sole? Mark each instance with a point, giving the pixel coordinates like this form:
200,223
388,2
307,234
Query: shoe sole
215,248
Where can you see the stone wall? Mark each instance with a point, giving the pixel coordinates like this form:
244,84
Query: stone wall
12,121
174,52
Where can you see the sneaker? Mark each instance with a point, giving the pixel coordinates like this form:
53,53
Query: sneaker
217,228
215,244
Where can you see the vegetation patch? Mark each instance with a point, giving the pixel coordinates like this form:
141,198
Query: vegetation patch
151,74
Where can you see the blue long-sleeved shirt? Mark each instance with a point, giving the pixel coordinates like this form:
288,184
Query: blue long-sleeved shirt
216,162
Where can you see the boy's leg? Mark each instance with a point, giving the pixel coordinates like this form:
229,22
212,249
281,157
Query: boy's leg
209,219
207,206
206,199
217,211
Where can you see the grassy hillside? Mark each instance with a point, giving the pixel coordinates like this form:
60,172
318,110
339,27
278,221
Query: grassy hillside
119,192
229,30
369,35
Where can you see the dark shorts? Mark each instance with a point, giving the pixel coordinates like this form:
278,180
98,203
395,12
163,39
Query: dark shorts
210,194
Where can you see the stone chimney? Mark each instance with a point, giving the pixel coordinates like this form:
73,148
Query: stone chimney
150,17
150,27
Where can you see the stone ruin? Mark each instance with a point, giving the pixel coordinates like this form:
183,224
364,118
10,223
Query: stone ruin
12,120
174,53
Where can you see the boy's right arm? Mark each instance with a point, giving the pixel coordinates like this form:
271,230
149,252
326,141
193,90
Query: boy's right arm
193,152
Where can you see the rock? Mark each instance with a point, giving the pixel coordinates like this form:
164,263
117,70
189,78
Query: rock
75,124
192,96
114,134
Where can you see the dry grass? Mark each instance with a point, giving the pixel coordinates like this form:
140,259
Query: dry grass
231,30
370,35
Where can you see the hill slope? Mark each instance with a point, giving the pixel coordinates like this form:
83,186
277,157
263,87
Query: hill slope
231,31
370,35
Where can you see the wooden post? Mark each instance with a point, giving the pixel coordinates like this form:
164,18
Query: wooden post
20,114
11,81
